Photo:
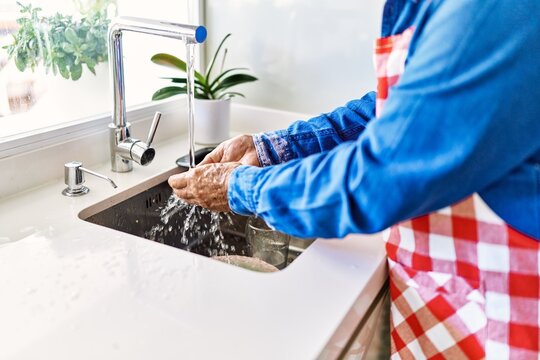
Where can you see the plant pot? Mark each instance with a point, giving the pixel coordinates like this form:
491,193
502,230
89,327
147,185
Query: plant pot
212,121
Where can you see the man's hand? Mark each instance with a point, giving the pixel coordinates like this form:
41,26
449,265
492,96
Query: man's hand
239,149
205,185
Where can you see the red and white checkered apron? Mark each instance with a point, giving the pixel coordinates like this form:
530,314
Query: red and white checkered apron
463,284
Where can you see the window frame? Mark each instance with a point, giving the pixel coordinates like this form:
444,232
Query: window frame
54,135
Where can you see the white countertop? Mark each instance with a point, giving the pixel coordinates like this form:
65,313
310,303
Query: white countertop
71,289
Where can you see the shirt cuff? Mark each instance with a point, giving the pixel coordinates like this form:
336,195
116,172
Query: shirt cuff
241,190
273,147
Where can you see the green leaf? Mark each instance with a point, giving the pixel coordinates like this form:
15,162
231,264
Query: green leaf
64,72
67,47
175,63
176,80
197,84
71,36
201,95
89,46
223,74
90,63
64,45
76,71
211,65
91,68
168,91
20,62
233,80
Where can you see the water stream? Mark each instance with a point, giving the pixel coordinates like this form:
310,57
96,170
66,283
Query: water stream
192,226
190,84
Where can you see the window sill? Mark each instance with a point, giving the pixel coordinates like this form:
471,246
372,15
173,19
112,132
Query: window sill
38,139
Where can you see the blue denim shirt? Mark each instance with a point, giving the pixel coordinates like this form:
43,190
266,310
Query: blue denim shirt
464,118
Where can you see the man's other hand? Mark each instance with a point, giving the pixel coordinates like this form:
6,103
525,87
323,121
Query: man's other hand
205,185
239,149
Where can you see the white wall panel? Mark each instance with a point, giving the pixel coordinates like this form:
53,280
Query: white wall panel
310,55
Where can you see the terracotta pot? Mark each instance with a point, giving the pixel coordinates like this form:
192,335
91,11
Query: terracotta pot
212,121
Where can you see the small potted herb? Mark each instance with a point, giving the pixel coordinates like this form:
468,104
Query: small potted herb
212,94
60,43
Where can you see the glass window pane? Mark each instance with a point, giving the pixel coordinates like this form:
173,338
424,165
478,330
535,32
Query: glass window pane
53,59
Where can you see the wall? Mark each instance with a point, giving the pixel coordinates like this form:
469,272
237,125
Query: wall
310,55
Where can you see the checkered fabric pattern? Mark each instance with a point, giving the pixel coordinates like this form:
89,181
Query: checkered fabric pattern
390,56
463,285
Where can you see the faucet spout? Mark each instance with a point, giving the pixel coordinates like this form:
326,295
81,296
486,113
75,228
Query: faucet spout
123,147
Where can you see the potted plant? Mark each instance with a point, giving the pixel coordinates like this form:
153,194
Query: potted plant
68,55
60,43
212,94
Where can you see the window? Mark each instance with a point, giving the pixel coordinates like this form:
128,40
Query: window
35,101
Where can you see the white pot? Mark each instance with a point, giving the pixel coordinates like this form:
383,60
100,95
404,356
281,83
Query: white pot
212,121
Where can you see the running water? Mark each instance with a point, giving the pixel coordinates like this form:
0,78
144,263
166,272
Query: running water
190,84
195,228
199,223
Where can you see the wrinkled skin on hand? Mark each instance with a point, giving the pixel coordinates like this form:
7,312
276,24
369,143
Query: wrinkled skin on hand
238,149
205,185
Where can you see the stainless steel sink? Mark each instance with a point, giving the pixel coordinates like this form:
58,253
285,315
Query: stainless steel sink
138,212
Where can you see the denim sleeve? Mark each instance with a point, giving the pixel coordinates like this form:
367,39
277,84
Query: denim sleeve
318,134
464,114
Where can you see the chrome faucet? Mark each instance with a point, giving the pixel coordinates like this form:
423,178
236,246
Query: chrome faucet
125,149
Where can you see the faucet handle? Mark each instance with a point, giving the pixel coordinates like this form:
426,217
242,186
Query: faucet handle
153,129
138,151
74,179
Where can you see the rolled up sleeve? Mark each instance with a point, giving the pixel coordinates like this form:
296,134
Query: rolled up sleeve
321,133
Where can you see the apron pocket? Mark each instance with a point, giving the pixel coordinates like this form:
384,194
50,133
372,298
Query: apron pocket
436,313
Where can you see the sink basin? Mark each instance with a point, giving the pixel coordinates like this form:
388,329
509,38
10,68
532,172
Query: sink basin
138,211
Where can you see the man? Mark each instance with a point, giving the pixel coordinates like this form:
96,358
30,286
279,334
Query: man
455,147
